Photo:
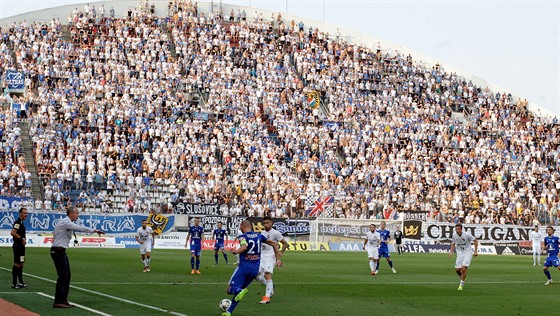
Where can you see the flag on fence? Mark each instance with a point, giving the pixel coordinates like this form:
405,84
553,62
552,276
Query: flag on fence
317,206
157,222
313,99
390,213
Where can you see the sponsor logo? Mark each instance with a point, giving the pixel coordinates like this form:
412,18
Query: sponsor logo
486,250
93,240
308,246
507,251
292,228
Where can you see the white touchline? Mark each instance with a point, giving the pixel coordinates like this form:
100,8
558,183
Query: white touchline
306,283
105,295
78,305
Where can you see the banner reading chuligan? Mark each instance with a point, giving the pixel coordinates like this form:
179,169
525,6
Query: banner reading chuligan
483,232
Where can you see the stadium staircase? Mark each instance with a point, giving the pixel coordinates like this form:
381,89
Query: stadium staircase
26,146
172,49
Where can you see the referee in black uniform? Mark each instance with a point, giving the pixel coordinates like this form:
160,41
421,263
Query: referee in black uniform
61,237
18,235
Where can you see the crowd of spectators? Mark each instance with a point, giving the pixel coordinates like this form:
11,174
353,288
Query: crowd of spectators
112,108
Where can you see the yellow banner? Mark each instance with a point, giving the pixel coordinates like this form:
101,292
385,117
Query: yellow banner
308,246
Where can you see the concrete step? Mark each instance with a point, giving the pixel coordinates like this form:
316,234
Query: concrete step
27,148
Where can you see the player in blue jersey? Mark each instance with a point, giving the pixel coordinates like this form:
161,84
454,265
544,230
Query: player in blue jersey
384,247
552,244
196,235
220,235
249,262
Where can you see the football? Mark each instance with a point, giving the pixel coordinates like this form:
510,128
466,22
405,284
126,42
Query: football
224,304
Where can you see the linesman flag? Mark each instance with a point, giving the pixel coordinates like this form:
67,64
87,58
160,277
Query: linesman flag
157,222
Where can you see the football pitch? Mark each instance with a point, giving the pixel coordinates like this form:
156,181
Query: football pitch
111,282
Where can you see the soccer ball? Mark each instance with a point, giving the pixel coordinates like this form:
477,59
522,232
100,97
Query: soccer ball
224,304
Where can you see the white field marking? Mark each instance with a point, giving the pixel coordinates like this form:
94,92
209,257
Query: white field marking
105,295
307,283
98,312
18,292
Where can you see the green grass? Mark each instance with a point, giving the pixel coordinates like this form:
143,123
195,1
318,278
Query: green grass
310,283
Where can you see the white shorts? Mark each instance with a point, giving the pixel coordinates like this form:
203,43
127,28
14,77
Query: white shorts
145,247
373,252
267,264
463,259
537,249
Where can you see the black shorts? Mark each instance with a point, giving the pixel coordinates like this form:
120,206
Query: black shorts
19,254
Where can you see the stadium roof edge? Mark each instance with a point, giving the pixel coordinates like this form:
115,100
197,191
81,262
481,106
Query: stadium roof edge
353,37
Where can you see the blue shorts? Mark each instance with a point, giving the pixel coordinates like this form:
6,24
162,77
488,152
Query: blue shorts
218,246
384,253
242,277
195,250
552,261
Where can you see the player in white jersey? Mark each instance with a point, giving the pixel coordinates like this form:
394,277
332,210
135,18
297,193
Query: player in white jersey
461,241
145,237
371,244
268,258
536,239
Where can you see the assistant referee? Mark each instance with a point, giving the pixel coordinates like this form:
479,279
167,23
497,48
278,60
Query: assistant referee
62,235
19,238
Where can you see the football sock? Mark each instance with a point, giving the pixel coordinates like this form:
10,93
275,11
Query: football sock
372,265
216,257
377,266
197,263
391,264
232,306
225,257
234,290
20,275
148,259
269,287
261,279
192,263
462,283
547,273
14,275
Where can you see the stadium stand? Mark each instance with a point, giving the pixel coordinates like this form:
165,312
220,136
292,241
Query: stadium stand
129,113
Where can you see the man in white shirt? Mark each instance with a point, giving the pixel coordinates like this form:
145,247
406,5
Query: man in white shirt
268,258
461,241
371,245
536,239
145,237
62,234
